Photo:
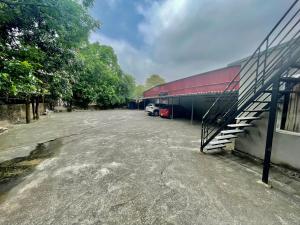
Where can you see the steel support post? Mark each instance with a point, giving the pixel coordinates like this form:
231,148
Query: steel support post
159,102
172,115
270,131
202,135
192,113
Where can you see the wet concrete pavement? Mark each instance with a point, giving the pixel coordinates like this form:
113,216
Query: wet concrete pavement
123,167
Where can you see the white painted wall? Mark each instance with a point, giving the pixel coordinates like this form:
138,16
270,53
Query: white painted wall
286,145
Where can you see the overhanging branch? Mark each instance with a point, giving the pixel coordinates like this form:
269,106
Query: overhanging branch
11,3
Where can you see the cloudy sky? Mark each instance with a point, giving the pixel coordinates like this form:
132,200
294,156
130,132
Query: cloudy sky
178,38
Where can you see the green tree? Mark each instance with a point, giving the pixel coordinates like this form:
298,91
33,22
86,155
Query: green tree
44,49
101,81
139,90
154,80
127,88
46,35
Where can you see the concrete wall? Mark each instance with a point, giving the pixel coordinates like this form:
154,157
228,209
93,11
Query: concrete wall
16,112
286,145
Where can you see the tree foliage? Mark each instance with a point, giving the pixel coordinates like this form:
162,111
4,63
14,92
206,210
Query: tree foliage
42,35
44,49
154,80
102,80
139,90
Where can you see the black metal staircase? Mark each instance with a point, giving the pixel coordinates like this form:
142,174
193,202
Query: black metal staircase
264,78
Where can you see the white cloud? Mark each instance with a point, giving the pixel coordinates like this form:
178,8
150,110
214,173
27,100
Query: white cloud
184,37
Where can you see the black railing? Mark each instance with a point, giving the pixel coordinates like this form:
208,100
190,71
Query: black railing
272,58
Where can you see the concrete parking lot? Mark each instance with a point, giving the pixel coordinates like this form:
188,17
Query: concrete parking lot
123,167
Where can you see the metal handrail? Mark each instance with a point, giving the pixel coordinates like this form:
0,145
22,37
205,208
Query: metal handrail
208,132
262,67
268,72
205,141
262,43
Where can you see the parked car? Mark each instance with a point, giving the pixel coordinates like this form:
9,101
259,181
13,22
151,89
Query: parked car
153,109
178,111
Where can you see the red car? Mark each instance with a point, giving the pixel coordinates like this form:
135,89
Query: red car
166,111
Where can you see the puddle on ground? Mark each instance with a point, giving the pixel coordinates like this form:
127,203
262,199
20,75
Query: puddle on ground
13,171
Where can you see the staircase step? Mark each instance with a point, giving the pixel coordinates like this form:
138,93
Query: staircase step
239,125
283,91
257,101
234,131
219,142
224,137
296,65
257,110
248,118
289,91
268,91
290,79
210,147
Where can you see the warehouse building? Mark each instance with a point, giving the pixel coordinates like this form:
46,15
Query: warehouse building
195,93
253,104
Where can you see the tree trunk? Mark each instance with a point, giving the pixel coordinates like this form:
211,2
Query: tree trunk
51,104
37,115
33,108
70,104
44,106
27,109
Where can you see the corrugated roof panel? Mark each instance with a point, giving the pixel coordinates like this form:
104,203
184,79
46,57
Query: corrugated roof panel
213,81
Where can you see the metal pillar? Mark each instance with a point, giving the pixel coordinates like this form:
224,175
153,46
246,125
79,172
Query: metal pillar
144,104
138,102
192,114
270,131
172,115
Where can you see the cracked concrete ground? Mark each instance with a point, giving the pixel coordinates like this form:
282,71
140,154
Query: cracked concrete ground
123,167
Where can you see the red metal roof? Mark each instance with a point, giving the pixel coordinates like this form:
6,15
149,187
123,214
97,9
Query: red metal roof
210,82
